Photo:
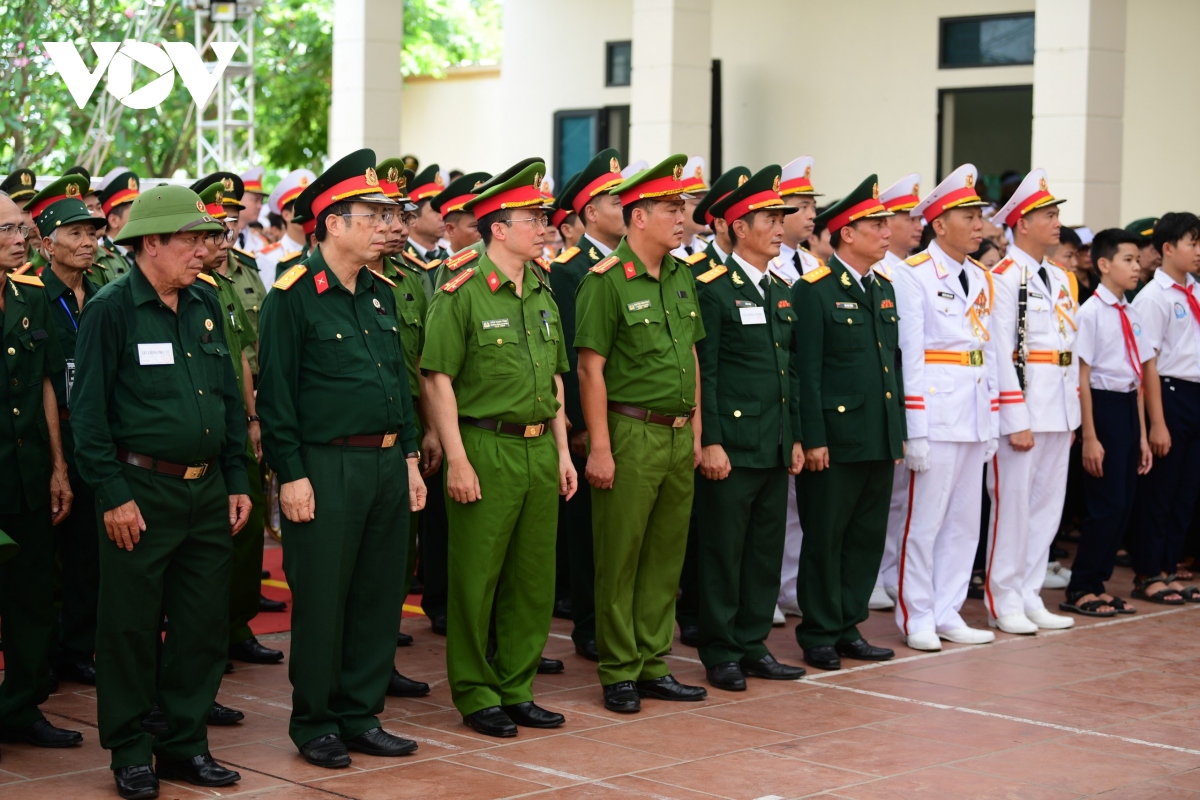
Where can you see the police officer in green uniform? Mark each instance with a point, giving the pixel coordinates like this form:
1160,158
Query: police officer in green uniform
116,196
70,242
159,435
35,491
855,433
751,437
636,328
338,429
493,351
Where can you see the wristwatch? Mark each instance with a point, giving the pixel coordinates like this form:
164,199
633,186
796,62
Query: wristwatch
414,454
253,418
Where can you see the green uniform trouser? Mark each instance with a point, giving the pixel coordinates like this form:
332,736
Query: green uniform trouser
245,580
687,607
346,569
179,568
433,548
79,552
580,557
640,531
743,520
844,514
501,550
27,609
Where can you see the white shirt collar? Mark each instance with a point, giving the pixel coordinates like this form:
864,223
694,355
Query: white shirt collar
1166,281
1108,297
723,255
752,272
604,251
421,251
940,255
289,245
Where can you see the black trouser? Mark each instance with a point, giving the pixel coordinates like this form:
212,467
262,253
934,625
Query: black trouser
79,552
433,542
27,611
1110,497
1168,492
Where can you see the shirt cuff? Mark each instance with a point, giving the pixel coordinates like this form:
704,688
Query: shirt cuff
114,493
292,469
584,342
236,481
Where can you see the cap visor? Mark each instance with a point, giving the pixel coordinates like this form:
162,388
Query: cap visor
378,198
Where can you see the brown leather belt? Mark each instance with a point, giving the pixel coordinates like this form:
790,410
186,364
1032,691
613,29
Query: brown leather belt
646,415
64,414
374,440
530,431
188,473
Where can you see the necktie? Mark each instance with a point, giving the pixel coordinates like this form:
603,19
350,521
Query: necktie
796,261
766,282
1044,276
869,279
962,278
1131,348
687,248
242,239
1192,304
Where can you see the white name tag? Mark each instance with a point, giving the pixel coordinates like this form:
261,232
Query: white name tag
158,353
753,316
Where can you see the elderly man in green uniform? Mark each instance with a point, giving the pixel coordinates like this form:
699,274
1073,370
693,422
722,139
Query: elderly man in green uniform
70,242
339,431
119,189
636,328
493,354
751,437
159,434
855,435
20,185
35,492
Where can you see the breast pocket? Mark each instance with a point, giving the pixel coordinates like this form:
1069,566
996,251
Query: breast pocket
684,316
647,331
843,418
1039,317
332,350
849,331
890,328
499,354
33,364
389,329
948,317
213,359
152,381
740,423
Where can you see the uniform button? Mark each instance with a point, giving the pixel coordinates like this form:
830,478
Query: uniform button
539,399
16,412
885,369
737,413
783,400
933,390
676,341
366,333
879,343
189,355
849,320
378,364
201,391
12,351
499,341
529,333
841,409
889,395
647,321
668,313
206,431
537,363
780,372
15,381
683,369
777,344
692,314
339,336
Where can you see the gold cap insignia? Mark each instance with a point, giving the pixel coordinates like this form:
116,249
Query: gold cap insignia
401,183
304,180
437,179
208,324
916,189
808,172
875,191
677,173
970,181
614,165
699,174
775,185
372,178
72,190
1042,184
132,184
26,179
742,179
220,198
537,179
393,175
200,206
227,184
546,186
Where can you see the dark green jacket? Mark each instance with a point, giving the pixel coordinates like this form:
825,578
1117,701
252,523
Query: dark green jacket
748,383
65,311
566,273
851,388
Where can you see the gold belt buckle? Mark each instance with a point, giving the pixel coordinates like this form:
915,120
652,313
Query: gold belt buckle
389,440
532,431
194,472
1064,358
975,358
679,422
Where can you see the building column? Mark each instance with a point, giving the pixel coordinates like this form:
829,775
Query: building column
364,109
671,79
1078,105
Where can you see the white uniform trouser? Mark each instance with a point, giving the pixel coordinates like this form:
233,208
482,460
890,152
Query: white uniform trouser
889,567
1024,519
794,537
939,538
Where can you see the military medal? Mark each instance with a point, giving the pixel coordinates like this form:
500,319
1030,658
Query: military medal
208,324
376,302
25,322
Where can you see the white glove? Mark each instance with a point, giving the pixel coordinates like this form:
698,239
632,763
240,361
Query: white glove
916,454
992,445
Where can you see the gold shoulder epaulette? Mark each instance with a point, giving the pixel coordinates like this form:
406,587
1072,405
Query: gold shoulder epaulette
883,275
382,277
566,255
919,258
1000,268
248,254
291,255
1055,263
290,277
1073,282
418,262
458,280
605,265
437,262
21,270
816,274
543,263
712,274
696,258
31,280
457,260
204,276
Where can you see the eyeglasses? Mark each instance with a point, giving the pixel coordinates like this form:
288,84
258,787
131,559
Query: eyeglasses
538,222
7,230
215,237
409,218
374,218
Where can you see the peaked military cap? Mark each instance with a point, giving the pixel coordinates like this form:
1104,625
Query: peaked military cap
118,189
352,178
429,182
519,186
560,209
61,203
21,184
394,178
1033,193
722,186
664,179
1143,229
957,190
232,188
862,203
601,174
759,192
458,192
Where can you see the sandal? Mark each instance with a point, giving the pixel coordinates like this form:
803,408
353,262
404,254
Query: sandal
1120,605
1184,574
1089,608
1139,591
1190,594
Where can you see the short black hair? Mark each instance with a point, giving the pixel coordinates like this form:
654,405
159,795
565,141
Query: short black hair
290,205
422,203
1069,236
254,224
835,237
627,211
1109,241
985,247
333,210
274,220
455,216
927,236
1173,226
748,218
571,219
488,220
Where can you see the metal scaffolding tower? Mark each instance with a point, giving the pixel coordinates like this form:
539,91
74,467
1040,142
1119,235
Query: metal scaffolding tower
225,128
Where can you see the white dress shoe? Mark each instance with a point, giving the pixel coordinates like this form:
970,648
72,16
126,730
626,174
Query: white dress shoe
1044,619
892,592
778,621
879,600
925,640
1014,623
790,609
965,635
1057,576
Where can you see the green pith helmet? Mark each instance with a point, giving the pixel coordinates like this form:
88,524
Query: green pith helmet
167,209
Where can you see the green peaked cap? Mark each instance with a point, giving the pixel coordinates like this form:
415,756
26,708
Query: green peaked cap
456,192
721,186
664,179
61,203
232,188
601,174
862,203
166,209
1143,229
21,184
759,191
519,186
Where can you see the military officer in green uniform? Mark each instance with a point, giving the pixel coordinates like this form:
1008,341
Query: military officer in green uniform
751,437
721,243
338,429
636,327
35,491
70,241
855,433
120,188
159,434
428,227
20,185
493,353
461,227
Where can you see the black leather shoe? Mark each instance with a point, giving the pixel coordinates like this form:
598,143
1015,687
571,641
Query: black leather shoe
550,666
822,657
403,640
667,688
622,698
562,608
588,650
252,652
865,651
491,721
155,722
136,783
78,672
531,715
267,604
728,676
437,624
228,667
767,667
378,742
223,715
400,686
199,770
43,734
690,635
327,751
